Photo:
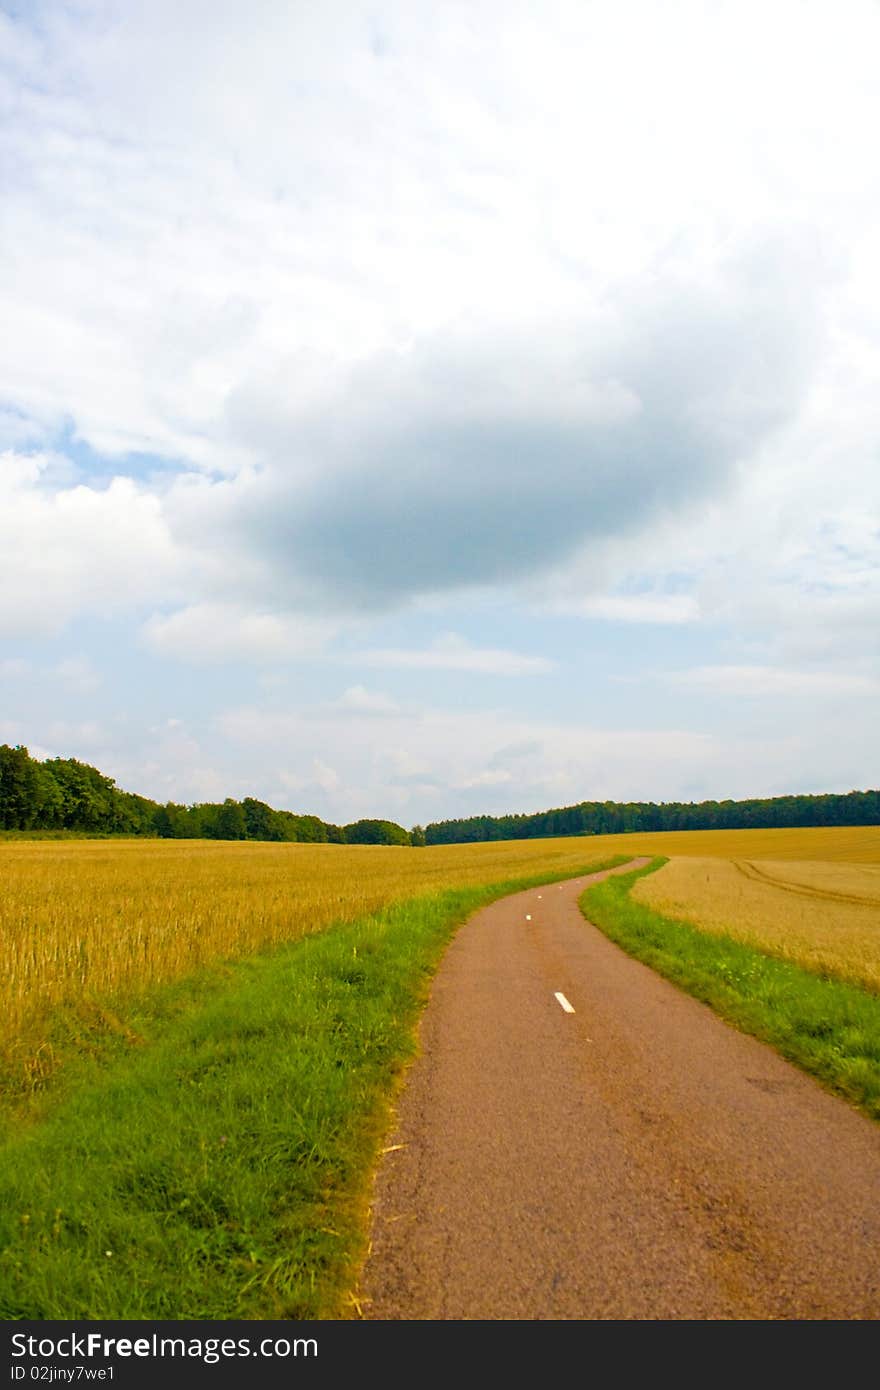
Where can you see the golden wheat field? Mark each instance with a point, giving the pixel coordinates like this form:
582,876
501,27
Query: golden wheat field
85,920
825,916
852,844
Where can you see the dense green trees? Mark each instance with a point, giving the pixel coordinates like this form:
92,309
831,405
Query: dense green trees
21,798
246,820
375,832
64,794
614,817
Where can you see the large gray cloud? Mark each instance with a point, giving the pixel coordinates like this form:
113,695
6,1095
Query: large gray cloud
487,456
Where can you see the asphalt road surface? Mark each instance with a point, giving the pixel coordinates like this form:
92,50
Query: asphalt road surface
578,1139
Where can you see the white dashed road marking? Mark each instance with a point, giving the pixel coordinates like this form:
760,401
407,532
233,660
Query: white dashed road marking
561,999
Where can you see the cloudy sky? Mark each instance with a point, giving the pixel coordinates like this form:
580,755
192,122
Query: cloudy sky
419,409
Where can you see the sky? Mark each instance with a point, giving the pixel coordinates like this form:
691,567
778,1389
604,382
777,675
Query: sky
419,410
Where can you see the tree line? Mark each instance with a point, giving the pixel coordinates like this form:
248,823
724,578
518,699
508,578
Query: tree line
614,817
66,794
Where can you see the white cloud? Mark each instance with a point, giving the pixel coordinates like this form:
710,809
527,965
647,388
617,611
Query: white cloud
357,700
211,633
497,778
14,668
634,608
768,680
453,653
431,763
423,352
79,549
78,675
326,777
64,735
320,778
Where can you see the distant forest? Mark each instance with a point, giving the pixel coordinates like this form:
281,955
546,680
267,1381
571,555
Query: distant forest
63,794
614,817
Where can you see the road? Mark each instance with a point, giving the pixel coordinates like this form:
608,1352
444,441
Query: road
635,1158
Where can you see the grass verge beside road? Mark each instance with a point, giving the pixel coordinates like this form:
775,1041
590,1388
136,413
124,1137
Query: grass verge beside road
219,1166
828,1027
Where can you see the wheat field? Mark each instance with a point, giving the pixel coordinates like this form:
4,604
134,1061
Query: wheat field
824,916
852,844
88,920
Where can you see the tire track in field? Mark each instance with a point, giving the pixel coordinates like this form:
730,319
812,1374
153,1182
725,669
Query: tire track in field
755,874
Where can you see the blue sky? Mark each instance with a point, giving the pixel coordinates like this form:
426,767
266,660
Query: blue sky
419,410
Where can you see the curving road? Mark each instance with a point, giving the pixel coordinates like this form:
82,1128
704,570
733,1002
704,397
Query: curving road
636,1158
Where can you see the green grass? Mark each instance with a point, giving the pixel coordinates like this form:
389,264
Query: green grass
829,1028
209,1156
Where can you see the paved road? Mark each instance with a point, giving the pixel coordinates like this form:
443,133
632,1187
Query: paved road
634,1159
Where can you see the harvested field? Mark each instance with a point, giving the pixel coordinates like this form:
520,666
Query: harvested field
822,916
852,844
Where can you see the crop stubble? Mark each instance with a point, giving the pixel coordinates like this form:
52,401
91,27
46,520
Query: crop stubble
822,916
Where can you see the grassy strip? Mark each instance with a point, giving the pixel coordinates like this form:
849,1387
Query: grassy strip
222,1169
825,1026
